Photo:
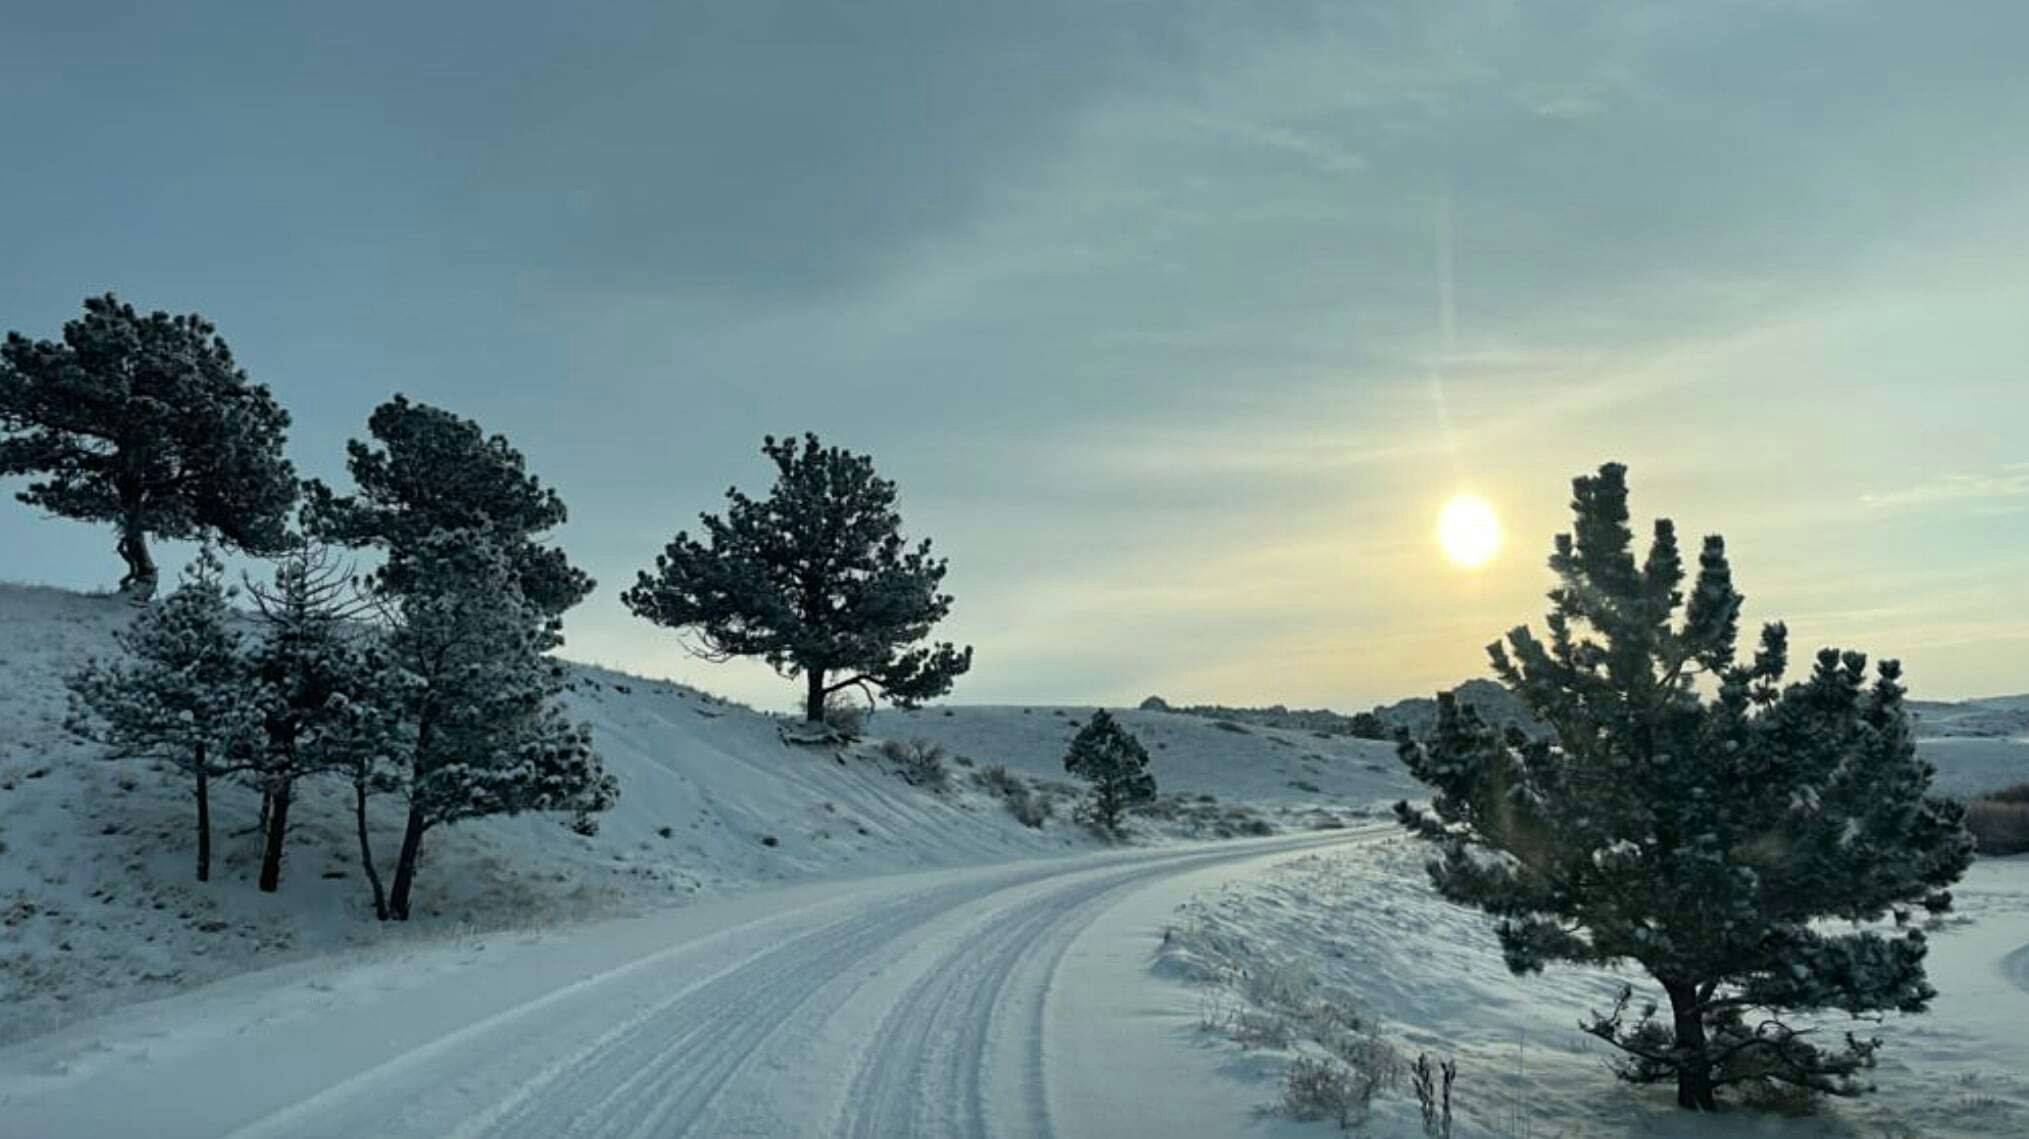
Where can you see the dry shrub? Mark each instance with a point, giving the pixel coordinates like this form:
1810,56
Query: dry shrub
2000,825
920,762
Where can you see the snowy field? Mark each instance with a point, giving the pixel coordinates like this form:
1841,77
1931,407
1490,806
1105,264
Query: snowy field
98,907
737,863
1365,930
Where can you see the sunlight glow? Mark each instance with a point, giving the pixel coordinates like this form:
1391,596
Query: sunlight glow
1468,531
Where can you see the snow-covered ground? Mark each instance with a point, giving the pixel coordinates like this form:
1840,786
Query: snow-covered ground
760,915
1190,754
98,907
1365,929
951,1003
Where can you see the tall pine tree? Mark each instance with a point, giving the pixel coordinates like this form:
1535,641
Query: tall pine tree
183,692
147,423
815,579
483,727
430,471
1693,815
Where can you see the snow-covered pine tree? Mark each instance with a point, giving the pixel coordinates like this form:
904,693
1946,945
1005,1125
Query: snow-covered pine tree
311,668
1693,815
182,693
435,471
814,579
1108,757
365,742
484,731
147,423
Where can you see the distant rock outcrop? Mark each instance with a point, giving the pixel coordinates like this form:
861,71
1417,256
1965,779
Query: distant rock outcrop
1418,714
1495,704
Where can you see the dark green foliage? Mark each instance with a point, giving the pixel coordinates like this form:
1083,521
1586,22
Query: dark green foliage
1701,836
815,579
147,423
183,692
474,601
1108,757
437,472
322,702
483,730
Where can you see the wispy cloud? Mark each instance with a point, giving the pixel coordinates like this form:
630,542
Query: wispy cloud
2009,482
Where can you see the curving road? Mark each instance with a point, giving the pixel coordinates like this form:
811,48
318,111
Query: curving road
917,1005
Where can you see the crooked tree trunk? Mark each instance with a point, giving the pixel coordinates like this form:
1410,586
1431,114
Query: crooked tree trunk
1694,1070
139,584
278,833
203,814
366,852
813,697
405,865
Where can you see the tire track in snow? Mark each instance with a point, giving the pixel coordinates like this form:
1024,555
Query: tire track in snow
936,1038
931,1074
958,1051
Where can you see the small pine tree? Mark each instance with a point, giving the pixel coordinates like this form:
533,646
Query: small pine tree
311,670
815,579
483,727
147,423
1108,757
365,742
1702,835
434,472
182,694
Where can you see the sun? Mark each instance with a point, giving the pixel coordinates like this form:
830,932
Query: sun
1468,530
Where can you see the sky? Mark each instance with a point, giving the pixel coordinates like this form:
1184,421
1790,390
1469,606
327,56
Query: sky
1175,321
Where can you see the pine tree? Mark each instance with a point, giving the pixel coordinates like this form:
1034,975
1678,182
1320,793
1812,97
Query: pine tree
483,728
147,423
434,472
312,673
1693,815
182,693
815,579
1108,757
365,743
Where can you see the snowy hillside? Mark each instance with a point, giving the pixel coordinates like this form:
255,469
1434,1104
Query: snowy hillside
98,908
1191,754
1995,716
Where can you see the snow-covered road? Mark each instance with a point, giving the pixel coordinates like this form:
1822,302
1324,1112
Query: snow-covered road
937,1004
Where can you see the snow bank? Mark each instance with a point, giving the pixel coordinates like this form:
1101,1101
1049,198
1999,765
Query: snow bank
1366,929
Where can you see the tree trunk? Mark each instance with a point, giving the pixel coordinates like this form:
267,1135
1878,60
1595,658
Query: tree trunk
139,584
366,852
278,832
405,865
1694,1070
1106,805
203,815
813,698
